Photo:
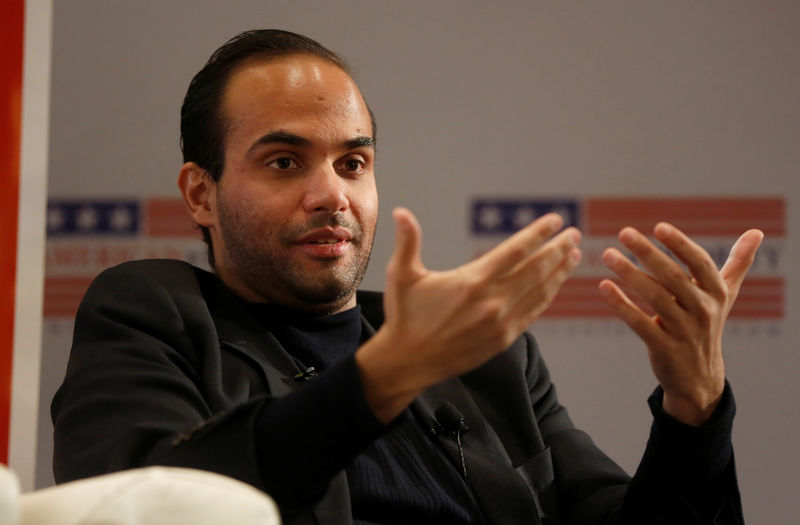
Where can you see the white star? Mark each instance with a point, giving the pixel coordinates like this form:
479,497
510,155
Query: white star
87,218
55,219
523,216
564,212
490,217
120,219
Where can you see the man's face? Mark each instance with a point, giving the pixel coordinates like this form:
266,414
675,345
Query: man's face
296,205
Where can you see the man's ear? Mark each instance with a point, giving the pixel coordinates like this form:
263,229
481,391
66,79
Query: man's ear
199,192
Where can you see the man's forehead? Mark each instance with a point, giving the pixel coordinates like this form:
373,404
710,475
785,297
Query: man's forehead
291,83
293,75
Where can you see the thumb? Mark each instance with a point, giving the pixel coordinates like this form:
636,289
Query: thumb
406,261
741,257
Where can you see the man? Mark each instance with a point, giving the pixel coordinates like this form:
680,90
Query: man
426,404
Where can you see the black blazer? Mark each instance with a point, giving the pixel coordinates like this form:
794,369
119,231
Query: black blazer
168,367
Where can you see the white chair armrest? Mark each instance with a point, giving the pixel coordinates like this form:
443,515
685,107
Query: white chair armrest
150,496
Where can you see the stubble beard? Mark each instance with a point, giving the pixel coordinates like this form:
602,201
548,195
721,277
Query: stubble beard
260,260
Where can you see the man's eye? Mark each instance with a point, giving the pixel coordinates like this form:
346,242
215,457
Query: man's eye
354,165
284,163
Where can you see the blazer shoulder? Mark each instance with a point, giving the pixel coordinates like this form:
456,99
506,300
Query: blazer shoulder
148,282
169,274
159,269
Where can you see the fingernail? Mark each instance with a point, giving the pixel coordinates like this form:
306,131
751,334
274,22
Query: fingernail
575,255
626,235
609,257
661,229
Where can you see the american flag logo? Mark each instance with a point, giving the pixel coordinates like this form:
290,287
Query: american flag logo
156,217
715,223
85,236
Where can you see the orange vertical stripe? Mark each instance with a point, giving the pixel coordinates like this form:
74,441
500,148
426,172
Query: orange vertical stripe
11,47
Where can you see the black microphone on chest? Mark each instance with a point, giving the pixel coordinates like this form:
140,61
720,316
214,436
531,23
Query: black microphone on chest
451,424
449,421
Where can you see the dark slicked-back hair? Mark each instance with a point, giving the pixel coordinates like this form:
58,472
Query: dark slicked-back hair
203,126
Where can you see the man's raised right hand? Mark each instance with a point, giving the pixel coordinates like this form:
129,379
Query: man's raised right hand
443,324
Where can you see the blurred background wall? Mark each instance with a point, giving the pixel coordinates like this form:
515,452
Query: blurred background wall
488,115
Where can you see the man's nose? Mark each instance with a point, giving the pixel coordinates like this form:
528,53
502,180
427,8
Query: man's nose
326,191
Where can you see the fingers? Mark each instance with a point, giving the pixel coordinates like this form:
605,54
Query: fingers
538,281
669,281
740,259
671,308
700,264
406,260
533,282
632,315
526,272
504,257
538,267
531,285
668,288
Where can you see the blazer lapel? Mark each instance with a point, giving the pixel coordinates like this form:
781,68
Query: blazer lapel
240,331
277,365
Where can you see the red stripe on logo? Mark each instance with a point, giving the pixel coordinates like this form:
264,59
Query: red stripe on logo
168,218
62,295
695,216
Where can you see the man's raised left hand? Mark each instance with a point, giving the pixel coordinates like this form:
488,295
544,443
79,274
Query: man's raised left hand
684,337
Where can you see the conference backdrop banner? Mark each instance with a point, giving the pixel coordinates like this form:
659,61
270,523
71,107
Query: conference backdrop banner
612,114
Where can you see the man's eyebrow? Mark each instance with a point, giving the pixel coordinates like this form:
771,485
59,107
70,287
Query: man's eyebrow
282,137
359,142
296,140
